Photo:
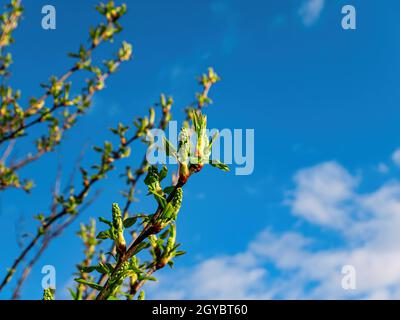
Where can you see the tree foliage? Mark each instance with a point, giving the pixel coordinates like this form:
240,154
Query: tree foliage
139,243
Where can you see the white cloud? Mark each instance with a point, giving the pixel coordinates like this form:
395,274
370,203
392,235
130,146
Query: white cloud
383,168
322,194
288,265
310,11
396,157
237,277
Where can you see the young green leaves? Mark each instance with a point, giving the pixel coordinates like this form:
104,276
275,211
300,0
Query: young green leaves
48,294
153,182
124,276
88,235
194,147
58,108
169,209
9,22
125,266
164,249
116,230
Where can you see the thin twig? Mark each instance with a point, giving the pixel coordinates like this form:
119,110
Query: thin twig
131,192
135,287
44,228
144,234
45,243
7,152
63,78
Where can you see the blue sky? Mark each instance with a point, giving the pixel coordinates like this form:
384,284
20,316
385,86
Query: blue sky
324,104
